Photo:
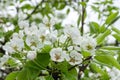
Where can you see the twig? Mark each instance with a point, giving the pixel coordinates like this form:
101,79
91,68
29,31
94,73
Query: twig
87,59
83,67
82,22
35,9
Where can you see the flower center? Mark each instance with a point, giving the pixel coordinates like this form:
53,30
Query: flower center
42,38
89,47
48,24
72,60
15,47
33,44
57,56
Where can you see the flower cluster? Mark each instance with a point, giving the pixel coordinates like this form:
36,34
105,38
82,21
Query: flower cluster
67,43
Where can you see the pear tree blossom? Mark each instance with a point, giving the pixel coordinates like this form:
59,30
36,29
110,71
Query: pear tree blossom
31,55
74,58
57,54
37,40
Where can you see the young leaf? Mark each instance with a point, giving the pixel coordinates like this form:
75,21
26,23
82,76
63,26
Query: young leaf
12,76
117,36
97,69
112,18
116,30
111,48
101,37
28,74
70,75
78,21
94,27
108,60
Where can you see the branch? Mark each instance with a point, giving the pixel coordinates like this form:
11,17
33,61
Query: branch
82,22
35,9
87,59
83,67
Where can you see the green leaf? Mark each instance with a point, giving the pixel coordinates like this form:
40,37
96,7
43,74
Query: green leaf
83,3
111,48
94,27
100,38
61,6
86,54
118,58
12,76
108,60
42,60
58,26
79,19
102,29
63,66
1,32
27,6
46,49
39,63
116,30
112,18
49,78
117,36
105,52
96,9
28,74
8,35
97,69
70,75
68,11
22,73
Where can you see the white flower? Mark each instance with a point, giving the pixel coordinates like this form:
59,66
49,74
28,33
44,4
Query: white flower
7,47
74,58
33,30
3,60
14,45
31,55
21,15
62,38
114,74
57,54
42,33
19,35
52,36
49,23
70,48
88,43
33,42
23,24
73,33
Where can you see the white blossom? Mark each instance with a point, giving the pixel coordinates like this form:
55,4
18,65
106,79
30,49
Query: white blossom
62,38
19,35
52,36
57,54
73,33
49,23
31,55
70,48
74,58
23,23
114,74
33,42
33,30
3,60
88,43
14,45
